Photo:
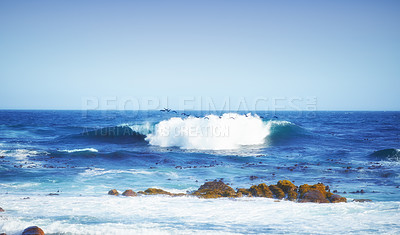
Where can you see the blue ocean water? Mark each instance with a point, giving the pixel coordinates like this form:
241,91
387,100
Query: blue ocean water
80,155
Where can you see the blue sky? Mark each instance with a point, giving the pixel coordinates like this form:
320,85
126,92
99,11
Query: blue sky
345,54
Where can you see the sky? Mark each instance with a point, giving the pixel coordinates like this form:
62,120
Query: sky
312,55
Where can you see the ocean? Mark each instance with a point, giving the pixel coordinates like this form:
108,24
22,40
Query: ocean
56,168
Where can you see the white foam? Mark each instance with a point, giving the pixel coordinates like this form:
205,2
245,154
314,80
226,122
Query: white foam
230,131
80,150
189,215
19,154
101,171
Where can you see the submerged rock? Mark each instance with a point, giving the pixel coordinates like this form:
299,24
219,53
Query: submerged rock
113,192
129,193
215,189
362,200
33,230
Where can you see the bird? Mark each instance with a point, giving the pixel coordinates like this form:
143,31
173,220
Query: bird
165,110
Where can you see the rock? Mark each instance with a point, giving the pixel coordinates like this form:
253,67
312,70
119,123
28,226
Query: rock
1,209
337,198
113,192
261,190
215,189
362,200
156,191
244,192
286,186
289,188
278,192
314,195
3,234
33,230
303,189
129,193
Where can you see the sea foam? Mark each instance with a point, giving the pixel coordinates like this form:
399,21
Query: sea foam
229,131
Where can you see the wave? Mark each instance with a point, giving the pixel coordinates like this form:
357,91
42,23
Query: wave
229,131
387,154
80,150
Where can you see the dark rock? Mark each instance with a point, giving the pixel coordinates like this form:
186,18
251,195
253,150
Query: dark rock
3,234
33,230
261,190
337,198
215,189
129,193
314,196
362,200
1,209
253,177
113,192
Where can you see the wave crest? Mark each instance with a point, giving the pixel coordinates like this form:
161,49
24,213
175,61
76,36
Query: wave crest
229,131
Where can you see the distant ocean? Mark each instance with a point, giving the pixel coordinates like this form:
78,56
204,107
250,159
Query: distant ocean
56,168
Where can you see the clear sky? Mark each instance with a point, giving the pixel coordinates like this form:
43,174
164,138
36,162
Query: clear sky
55,54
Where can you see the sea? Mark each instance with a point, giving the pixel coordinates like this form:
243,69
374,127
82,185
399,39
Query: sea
56,168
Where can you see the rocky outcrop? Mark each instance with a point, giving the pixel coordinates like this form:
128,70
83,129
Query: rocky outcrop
215,189
33,230
113,192
129,193
1,209
284,189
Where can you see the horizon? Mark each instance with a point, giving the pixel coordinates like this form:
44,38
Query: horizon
344,55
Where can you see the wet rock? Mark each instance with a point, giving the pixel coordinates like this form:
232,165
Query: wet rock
215,189
156,191
33,230
362,200
243,192
314,196
278,192
289,188
113,192
303,189
129,193
261,190
1,209
337,198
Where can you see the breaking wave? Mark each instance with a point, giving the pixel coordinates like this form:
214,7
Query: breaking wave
229,131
